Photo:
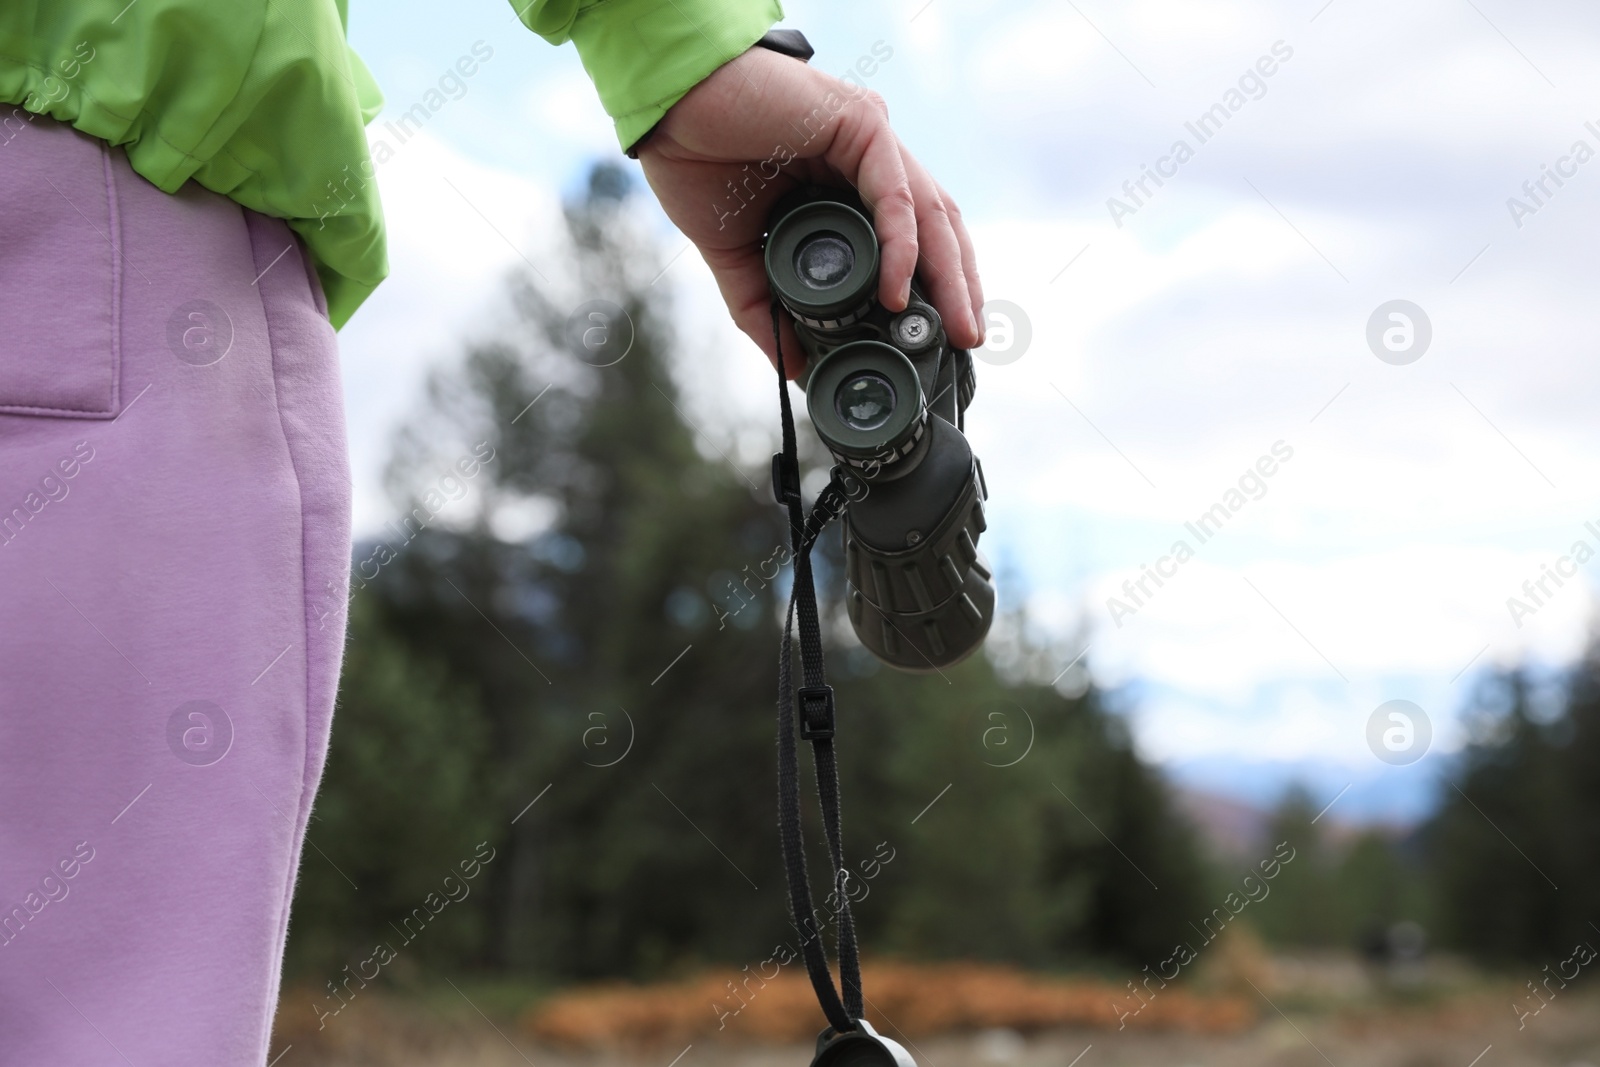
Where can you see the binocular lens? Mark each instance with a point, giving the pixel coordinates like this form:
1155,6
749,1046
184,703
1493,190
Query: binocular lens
864,401
824,261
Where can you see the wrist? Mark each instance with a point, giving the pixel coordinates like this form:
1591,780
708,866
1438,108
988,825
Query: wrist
791,43
644,55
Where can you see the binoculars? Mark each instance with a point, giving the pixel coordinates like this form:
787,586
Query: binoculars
887,393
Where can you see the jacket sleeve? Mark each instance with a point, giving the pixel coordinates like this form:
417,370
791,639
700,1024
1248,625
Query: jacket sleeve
644,55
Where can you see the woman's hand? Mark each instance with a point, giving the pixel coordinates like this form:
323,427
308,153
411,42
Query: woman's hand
721,158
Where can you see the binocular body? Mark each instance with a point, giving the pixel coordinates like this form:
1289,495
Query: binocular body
886,393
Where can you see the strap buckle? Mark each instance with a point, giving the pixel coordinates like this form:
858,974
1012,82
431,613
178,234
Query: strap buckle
785,479
816,712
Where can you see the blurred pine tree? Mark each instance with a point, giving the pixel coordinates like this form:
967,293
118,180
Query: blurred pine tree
1515,847
1302,908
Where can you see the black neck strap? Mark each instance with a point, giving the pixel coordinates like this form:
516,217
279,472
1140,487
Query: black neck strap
815,701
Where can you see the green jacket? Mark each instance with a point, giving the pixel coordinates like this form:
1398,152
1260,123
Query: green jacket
264,102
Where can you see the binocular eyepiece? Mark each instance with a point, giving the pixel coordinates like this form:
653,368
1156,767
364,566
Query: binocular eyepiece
887,393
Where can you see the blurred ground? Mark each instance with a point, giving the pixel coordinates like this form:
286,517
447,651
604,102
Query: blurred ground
1306,1011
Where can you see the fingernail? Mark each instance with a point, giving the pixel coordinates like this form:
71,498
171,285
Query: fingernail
905,293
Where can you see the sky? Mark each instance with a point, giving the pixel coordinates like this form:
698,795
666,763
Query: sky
1323,167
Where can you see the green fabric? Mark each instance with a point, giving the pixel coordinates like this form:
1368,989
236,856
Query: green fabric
264,102
644,55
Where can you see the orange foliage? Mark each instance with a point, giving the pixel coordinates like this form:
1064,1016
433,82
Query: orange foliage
919,999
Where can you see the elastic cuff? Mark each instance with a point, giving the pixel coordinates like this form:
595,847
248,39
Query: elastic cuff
645,55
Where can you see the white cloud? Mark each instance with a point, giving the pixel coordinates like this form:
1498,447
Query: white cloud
564,106
455,229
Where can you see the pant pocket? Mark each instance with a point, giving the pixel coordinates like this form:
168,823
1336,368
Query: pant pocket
60,275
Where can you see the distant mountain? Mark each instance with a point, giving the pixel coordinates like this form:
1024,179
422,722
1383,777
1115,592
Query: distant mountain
1231,827
1232,811
1381,795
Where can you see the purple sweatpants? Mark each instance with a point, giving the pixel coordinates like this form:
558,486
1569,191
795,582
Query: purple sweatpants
174,546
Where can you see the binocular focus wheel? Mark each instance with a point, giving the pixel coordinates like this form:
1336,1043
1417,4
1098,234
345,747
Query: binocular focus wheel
862,1047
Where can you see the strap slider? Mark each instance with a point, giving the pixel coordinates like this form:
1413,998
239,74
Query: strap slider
785,479
816,712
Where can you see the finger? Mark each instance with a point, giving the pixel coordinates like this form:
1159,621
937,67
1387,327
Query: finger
941,257
741,276
867,153
969,257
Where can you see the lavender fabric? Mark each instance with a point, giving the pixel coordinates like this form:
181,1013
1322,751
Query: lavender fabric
174,546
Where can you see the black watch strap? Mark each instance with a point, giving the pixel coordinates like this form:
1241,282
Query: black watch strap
788,42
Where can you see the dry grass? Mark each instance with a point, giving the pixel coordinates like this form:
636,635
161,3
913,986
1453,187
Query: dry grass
909,999
969,1015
